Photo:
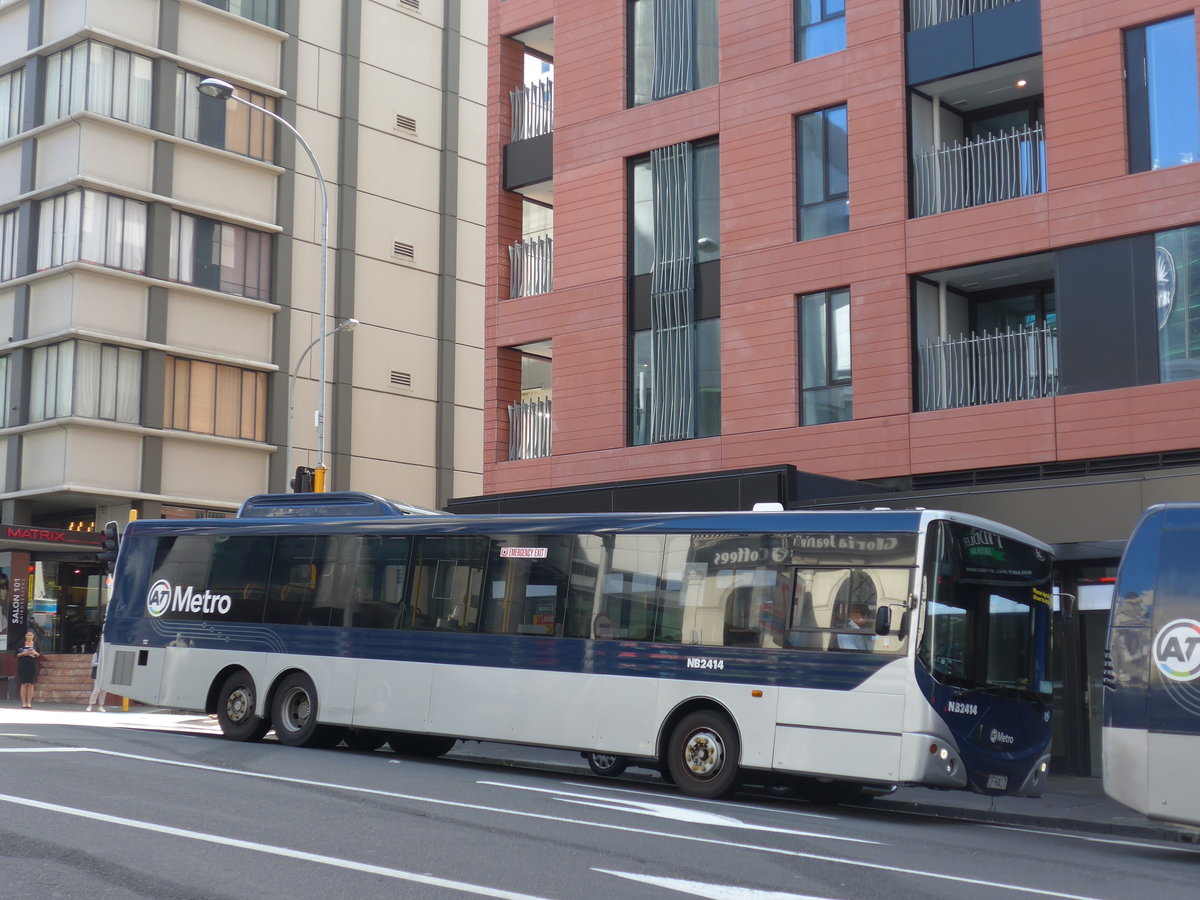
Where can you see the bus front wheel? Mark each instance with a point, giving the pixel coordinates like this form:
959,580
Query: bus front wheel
294,712
235,710
703,755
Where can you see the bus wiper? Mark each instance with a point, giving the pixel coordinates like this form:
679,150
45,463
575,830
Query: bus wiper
998,690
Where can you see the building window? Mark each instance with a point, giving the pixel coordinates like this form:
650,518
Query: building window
675,380
226,124
208,398
261,11
87,226
825,357
220,256
824,180
102,79
820,27
4,398
1177,287
1161,93
83,378
673,47
12,102
8,245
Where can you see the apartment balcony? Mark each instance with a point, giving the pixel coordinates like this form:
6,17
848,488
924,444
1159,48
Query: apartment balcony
529,429
999,367
952,37
532,110
927,13
985,170
531,267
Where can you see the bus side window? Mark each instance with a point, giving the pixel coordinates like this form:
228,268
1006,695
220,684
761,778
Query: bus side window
527,583
239,568
583,598
377,583
447,581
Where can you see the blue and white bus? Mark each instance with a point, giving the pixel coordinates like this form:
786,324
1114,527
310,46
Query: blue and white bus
714,646
1151,732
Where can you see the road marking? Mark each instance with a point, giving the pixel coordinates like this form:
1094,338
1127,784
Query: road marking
674,813
1164,844
735,845
40,749
271,849
723,804
710,891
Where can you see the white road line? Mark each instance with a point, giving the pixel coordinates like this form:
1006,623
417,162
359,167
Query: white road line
272,850
736,845
680,814
1096,839
723,804
41,749
709,891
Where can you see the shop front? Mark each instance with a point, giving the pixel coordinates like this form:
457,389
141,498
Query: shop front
51,582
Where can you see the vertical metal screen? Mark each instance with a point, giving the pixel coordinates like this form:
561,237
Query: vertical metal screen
672,319
674,47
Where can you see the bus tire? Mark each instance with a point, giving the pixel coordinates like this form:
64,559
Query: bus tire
703,755
607,765
294,712
427,745
235,709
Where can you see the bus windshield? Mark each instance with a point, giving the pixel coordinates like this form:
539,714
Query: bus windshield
987,612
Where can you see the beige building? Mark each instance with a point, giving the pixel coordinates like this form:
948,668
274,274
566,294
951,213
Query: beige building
160,260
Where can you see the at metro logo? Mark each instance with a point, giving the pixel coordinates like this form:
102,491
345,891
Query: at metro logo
163,598
1177,650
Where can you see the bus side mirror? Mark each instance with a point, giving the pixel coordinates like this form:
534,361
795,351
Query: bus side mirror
883,620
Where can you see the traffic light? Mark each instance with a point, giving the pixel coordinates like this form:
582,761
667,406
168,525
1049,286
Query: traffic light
109,539
304,480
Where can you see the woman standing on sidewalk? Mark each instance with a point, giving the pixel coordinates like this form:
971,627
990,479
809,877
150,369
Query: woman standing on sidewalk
27,666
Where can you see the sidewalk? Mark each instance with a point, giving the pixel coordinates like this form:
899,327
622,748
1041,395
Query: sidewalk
1070,802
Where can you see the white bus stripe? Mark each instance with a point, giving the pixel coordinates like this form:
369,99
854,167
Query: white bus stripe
271,849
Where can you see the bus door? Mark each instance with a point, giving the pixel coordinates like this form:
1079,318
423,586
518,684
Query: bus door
841,713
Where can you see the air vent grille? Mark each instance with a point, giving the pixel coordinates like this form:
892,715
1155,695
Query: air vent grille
403,250
401,379
406,123
411,4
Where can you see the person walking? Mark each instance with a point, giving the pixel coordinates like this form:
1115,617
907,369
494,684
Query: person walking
96,698
27,666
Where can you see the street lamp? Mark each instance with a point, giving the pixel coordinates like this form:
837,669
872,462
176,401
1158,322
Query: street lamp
348,325
223,90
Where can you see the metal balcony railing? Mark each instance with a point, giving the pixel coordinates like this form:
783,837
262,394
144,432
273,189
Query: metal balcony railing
1018,364
529,429
926,13
531,267
976,172
532,110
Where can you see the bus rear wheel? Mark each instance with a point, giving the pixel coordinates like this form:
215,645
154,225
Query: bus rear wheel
703,755
428,745
235,709
294,712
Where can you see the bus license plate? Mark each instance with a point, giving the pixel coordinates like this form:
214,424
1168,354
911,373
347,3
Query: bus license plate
997,782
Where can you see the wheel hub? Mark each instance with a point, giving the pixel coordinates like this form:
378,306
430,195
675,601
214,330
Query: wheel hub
703,754
239,705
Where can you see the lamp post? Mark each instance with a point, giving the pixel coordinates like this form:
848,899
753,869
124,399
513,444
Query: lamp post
223,90
348,325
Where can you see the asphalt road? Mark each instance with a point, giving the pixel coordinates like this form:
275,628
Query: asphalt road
92,811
